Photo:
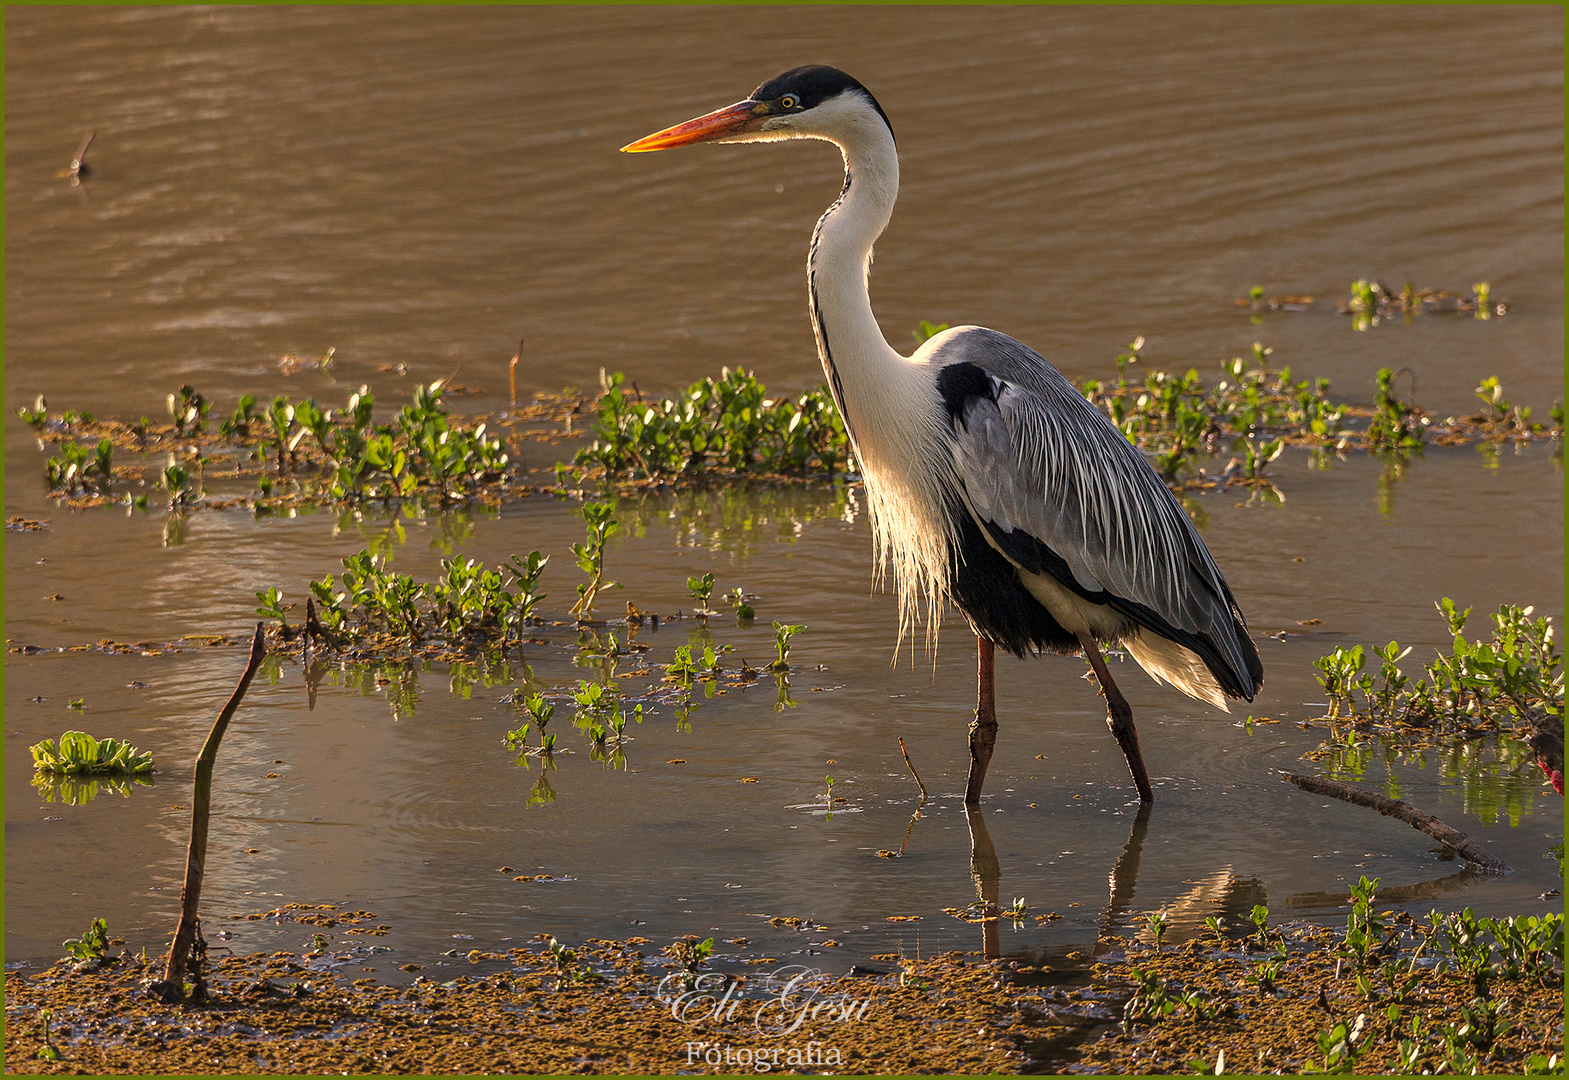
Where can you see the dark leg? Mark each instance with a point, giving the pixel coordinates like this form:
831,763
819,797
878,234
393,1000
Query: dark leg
983,729
1119,717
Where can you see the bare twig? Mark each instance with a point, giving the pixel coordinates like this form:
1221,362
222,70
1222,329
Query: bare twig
79,166
1452,838
512,374
912,769
201,803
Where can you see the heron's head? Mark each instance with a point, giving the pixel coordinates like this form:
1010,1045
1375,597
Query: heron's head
813,102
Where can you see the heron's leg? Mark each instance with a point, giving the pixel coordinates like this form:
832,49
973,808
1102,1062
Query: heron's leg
1119,717
983,729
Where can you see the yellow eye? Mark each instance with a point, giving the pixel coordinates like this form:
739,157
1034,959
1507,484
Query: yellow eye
788,101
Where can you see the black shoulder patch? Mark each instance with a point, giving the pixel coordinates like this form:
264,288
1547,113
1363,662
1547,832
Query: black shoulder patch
958,383
815,84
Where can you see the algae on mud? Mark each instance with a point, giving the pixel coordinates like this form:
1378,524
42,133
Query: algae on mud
1270,1001
271,1013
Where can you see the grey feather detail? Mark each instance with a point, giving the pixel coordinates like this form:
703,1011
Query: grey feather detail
1043,460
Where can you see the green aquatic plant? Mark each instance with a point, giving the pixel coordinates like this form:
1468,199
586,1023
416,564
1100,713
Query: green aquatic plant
701,589
1371,302
1253,407
80,470
37,416
728,423
1498,413
79,754
93,944
189,410
1155,923
737,599
1339,1047
782,635
1516,678
690,953
238,426
468,603
351,459
177,482
1397,426
1366,929
270,605
600,518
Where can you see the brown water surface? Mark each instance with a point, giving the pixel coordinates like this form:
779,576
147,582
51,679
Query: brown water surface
427,186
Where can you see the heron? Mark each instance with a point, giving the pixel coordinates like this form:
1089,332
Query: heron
991,483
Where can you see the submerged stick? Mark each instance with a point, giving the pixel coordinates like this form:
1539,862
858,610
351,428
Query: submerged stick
912,769
201,803
512,374
1452,838
79,166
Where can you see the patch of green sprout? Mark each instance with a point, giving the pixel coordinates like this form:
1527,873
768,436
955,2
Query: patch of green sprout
1155,923
1396,427
1372,302
701,589
468,605
80,470
1514,680
744,611
1503,418
600,518
177,482
728,424
783,632
566,966
1204,1068
539,713
1480,993
189,410
48,1051
37,416
92,945
79,754
1338,1047
690,953
302,453
926,331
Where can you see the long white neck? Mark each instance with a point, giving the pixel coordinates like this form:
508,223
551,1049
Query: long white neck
849,340
888,401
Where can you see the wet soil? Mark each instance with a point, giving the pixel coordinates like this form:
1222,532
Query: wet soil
612,1008
270,1013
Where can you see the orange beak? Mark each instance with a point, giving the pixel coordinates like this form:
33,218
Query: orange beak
737,119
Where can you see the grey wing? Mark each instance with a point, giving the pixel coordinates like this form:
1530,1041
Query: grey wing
1059,489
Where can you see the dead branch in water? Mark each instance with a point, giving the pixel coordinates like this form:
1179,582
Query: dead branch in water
1452,838
186,934
912,769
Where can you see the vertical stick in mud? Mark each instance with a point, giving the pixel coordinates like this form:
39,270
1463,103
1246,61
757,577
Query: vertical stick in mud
201,803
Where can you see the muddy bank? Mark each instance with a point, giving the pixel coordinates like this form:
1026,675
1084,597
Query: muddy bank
1411,996
270,1013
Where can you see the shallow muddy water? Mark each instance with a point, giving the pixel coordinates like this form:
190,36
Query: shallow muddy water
426,187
